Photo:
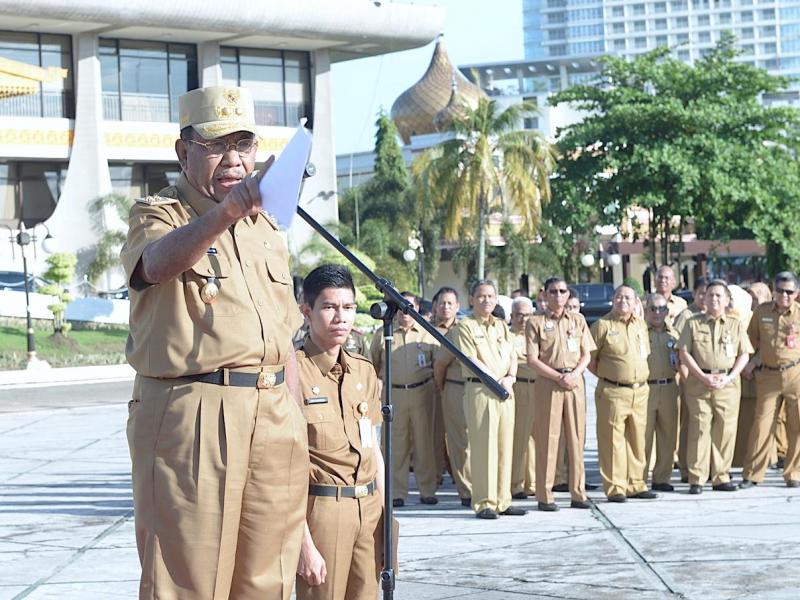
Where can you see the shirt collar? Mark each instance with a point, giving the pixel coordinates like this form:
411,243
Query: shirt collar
322,360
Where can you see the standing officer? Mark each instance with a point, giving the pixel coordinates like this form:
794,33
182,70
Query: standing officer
523,462
775,333
490,421
218,445
340,556
445,308
450,383
559,347
662,403
714,347
620,363
412,398
665,283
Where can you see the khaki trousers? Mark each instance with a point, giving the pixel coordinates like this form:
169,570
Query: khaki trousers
662,423
713,417
683,432
523,463
621,424
490,429
348,534
557,408
781,434
412,430
562,469
455,431
220,480
744,426
439,445
774,388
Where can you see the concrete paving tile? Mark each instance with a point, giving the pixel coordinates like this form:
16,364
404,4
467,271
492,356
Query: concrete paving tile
7,592
96,566
62,531
105,590
37,564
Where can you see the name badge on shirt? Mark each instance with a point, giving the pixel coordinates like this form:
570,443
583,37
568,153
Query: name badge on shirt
364,425
572,344
315,400
422,360
549,326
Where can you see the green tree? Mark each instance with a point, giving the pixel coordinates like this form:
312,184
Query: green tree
61,273
107,249
487,165
686,143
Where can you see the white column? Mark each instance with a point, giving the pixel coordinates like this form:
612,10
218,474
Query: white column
208,63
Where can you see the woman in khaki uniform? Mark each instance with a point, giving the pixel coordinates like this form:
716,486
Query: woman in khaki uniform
340,558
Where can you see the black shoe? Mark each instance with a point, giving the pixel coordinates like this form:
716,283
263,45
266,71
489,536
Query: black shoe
519,496
617,498
747,483
645,495
561,487
579,504
684,479
592,486
663,487
547,506
398,502
781,462
466,502
695,488
728,486
792,483
429,500
486,513
514,511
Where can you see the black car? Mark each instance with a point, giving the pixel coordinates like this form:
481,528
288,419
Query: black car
15,281
595,299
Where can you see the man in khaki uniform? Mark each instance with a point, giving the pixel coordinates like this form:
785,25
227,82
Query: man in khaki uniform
662,403
775,333
412,397
450,383
340,556
490,421
445,308
523,462
558,350
665,283
620,363
218,445
714,347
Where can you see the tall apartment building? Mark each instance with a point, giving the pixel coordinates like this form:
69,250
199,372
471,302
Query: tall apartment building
768,32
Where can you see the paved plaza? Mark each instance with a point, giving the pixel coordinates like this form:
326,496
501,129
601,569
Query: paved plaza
66,524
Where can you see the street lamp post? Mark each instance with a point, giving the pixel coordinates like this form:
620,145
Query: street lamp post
416,249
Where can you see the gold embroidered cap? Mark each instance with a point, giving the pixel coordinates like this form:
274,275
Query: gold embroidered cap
218,111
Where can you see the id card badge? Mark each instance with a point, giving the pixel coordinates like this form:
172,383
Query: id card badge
422,361
364,426
729,350
572,344
673,359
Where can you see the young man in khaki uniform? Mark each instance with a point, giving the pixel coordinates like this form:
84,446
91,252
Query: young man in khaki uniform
775,333
665,283
450,383
412,397
218,445
490,421
620,363
523,463
662,403
558,350
340,557
445,308
714,347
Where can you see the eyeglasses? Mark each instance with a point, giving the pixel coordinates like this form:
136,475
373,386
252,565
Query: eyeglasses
784,291
520,315
559,291
219,147
659,309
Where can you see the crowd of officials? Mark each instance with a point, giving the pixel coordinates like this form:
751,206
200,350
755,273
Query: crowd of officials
256,467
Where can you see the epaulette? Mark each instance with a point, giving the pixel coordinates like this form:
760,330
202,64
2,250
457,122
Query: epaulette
357,356
156,200
270,219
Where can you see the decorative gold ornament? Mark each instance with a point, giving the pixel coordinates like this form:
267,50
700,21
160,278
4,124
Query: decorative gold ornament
210,291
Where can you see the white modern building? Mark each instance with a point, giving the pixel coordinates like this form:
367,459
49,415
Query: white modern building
111,123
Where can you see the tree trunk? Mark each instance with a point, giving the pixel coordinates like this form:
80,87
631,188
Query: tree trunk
481,239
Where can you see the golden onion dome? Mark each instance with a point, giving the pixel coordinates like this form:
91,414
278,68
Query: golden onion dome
441,86
453,110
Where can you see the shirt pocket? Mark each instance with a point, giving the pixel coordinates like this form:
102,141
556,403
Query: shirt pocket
280,284
227,303
321,427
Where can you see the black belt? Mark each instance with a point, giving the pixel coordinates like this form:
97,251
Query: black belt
343,491
625,385
525,380
566,370
262,380
410,386
785,367
715,371
660,381
455,381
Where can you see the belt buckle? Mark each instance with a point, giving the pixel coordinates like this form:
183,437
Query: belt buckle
361,491
266,380
636,385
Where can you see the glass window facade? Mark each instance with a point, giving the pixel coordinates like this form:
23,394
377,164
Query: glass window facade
143,80
136,181
53,99
280,82
30,190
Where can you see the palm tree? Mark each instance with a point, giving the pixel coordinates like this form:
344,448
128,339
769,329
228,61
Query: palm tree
487,164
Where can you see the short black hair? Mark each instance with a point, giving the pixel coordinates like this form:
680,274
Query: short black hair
785,277
326,276
499,312
700,282
573,293
411,296
553,280
474,287
445,290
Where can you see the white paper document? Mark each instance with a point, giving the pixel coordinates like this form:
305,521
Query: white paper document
280,188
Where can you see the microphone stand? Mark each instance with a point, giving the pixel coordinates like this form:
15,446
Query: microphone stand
385,311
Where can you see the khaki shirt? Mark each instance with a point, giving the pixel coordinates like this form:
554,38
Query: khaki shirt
487,340
250,324
558,341
333,392
453,372
622,348
412,355
686,314
769,330
663,358
715,344
676,306
521,352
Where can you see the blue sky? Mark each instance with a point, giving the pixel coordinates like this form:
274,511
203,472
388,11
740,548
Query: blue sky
476,31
